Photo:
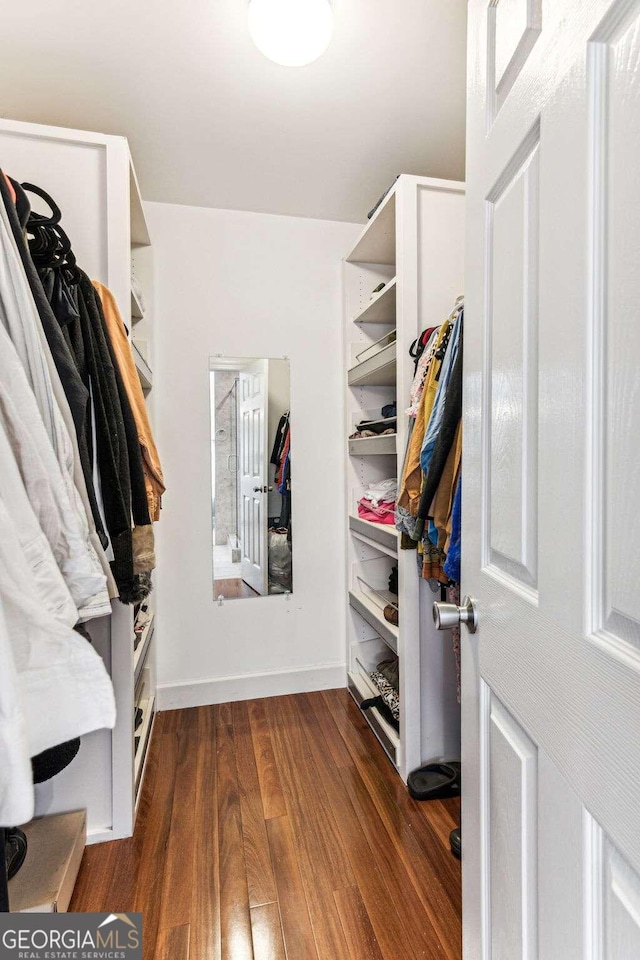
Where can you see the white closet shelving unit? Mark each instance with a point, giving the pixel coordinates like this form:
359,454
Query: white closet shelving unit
92,179
414,244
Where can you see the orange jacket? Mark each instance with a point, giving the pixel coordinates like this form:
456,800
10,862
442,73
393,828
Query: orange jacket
154,481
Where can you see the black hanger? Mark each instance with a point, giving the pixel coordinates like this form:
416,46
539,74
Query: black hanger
56,216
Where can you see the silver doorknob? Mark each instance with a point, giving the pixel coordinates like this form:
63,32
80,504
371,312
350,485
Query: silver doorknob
448,615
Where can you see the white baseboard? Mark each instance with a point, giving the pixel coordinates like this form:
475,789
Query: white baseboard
250,686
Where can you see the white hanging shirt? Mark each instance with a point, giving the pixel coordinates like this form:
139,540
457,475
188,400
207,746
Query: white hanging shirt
45,485
53,685
19,315
49,581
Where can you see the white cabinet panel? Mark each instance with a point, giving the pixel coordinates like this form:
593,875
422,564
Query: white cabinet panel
622,905
513,800
616,141
512,348
514,26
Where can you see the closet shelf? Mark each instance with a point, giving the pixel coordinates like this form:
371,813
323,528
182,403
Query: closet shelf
137,313
381,308
369,446
377,242
140,654
377,371
370,612
143,368
139,229
361,687
144,733
382,533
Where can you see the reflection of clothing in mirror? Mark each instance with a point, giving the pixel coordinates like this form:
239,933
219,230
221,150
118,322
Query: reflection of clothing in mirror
281,459
278,444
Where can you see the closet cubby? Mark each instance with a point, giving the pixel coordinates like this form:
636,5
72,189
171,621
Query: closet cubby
414,245
93,181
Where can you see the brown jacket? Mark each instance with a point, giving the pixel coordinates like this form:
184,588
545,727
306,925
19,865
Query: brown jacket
154,480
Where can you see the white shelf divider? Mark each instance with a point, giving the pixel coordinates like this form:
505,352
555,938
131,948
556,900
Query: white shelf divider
144,733
137,313
382,306
143,368
140,653
373,446
376,371
369,612
382,536
361,687
377,242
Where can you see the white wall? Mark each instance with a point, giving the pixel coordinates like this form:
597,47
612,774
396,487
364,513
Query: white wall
243,284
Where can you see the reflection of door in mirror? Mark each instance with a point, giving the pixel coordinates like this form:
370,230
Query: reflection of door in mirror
250,477
253,475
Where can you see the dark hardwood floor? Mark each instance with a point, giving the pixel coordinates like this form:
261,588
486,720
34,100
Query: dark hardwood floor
233,589
277,829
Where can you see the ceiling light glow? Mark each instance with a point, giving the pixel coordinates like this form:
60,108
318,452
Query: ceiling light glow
291,32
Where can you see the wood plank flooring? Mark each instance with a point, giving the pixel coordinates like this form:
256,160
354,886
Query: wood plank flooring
233,589
277,829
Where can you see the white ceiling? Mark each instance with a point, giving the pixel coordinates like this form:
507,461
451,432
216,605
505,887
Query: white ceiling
213,123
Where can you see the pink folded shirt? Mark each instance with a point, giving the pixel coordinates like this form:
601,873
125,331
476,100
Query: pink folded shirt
383,513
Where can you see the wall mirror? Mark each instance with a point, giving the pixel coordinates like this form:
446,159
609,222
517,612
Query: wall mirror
250,477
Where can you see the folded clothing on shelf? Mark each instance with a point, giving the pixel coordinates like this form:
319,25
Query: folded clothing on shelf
384,513
365,432
385,491
379,502
385,425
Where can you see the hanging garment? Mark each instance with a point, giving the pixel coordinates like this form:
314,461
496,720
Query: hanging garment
78,311
284,453
118,455
278,443
46,488
16,781
20,317
411,484
75,391
52,590
442,505
422,367
452,563
61,687
451,415
154,480
435,420
144,561
78,475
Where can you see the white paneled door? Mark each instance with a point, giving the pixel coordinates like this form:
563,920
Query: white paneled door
254,475
551,518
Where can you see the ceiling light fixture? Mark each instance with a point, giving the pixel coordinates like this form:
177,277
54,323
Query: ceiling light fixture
291,32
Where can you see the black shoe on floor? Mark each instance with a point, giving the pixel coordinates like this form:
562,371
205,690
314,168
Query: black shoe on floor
455,839
15,850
